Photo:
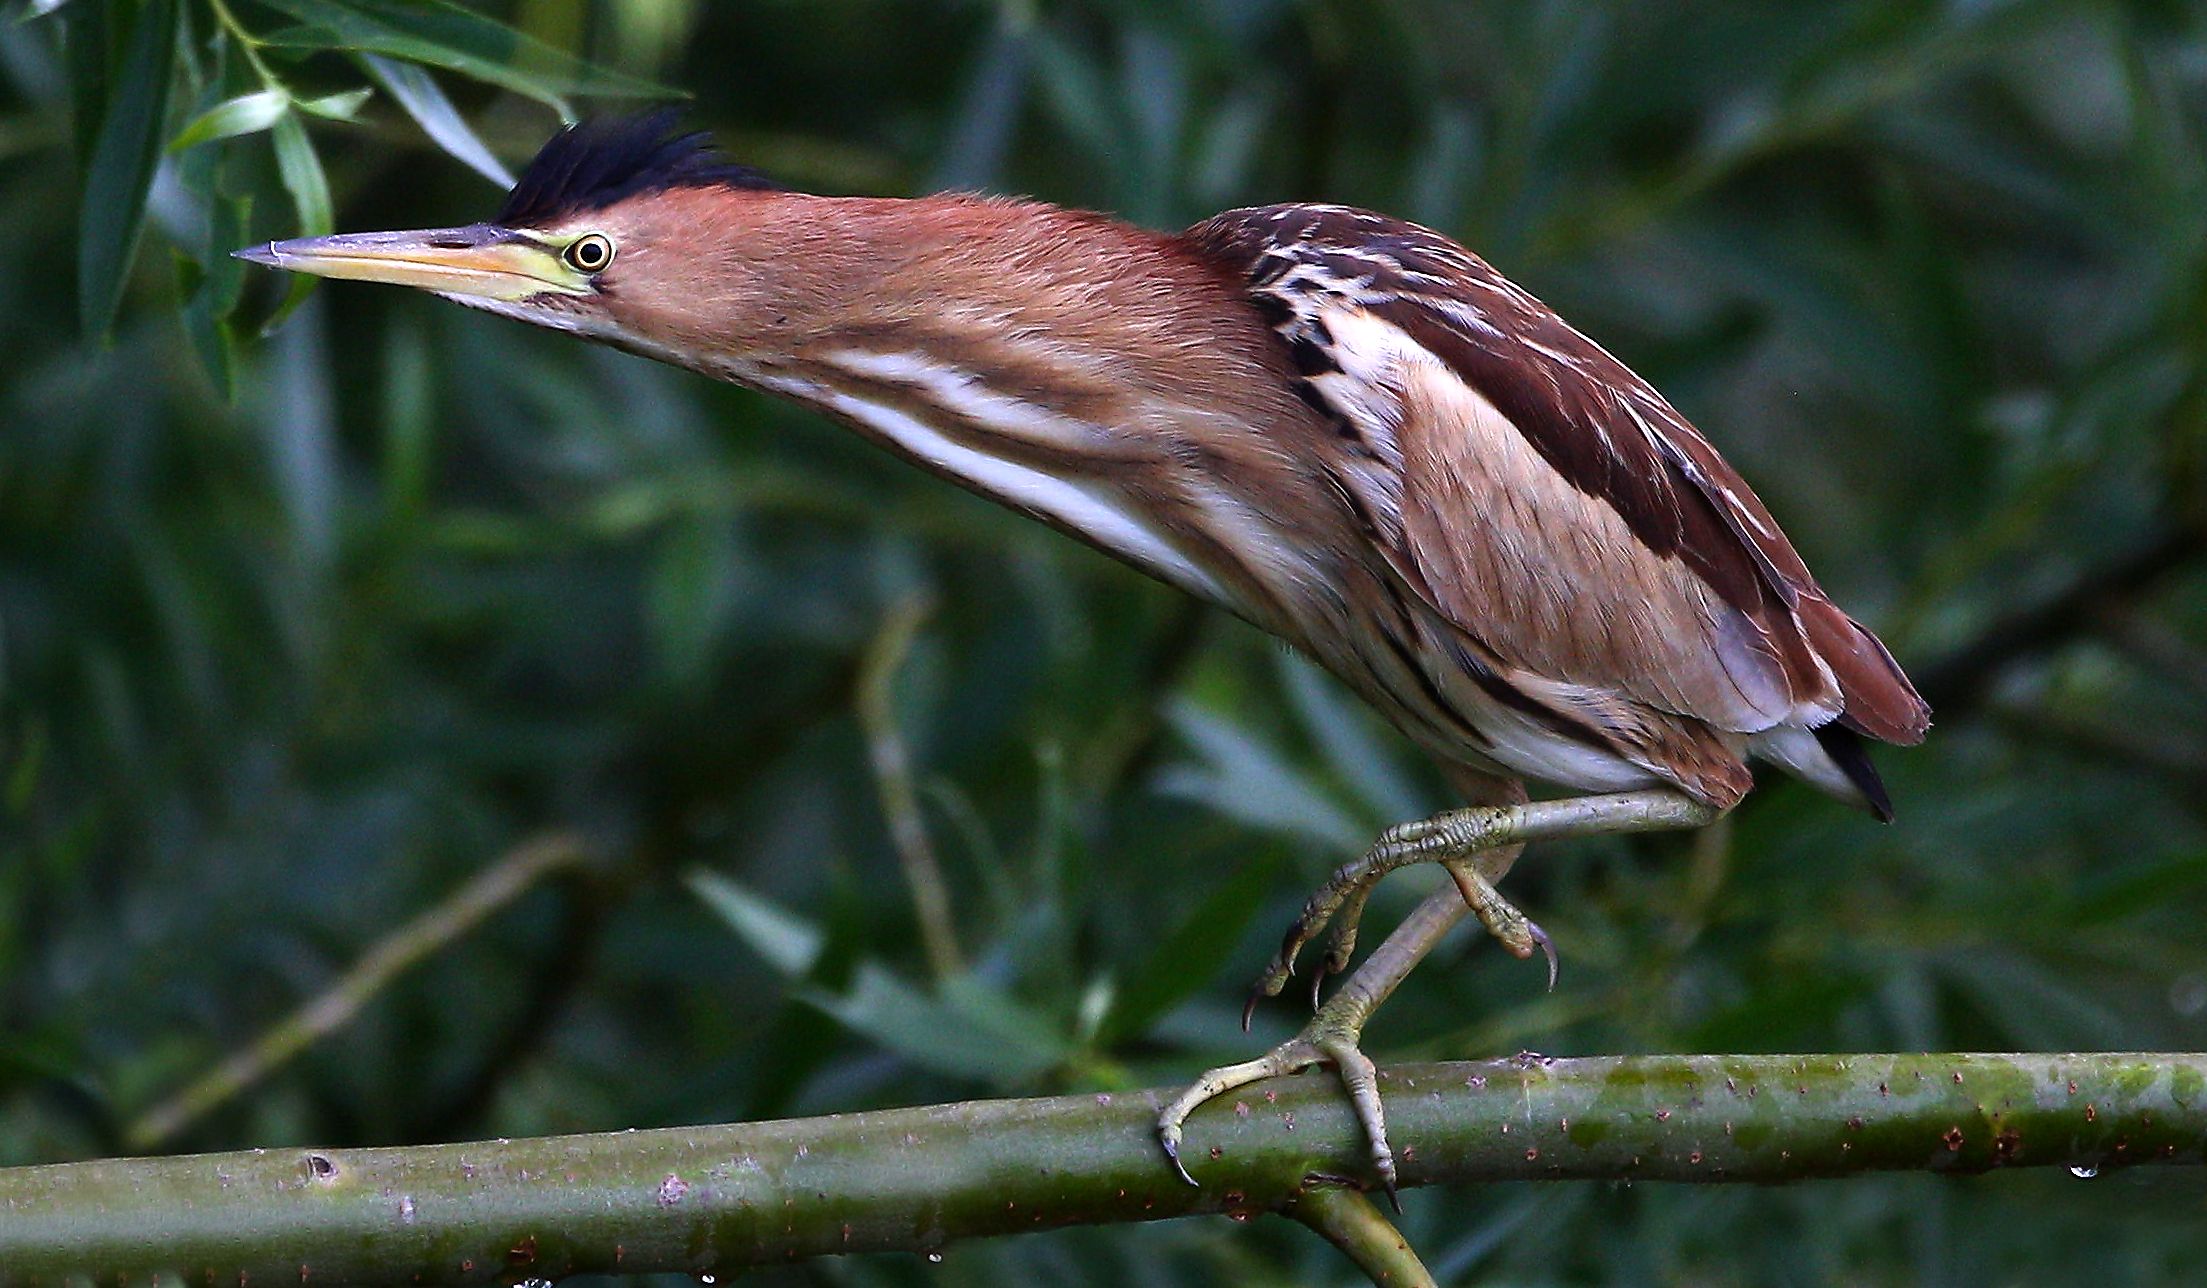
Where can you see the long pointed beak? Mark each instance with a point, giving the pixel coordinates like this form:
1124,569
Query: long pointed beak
480,261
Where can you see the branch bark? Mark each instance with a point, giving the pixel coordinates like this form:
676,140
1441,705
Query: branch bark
1349,1221
708,1199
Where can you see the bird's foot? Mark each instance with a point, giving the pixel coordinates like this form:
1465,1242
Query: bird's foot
1516,932
1330,1038
1477,847
1462,841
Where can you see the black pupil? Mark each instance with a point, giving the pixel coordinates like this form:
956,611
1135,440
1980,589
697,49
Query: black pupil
589,253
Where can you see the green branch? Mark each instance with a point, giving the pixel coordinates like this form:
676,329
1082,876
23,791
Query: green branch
1350,1222
706,1199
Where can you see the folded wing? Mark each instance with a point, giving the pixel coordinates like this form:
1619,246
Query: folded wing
1556,509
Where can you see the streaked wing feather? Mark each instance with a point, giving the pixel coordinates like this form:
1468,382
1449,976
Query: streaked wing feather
1548,500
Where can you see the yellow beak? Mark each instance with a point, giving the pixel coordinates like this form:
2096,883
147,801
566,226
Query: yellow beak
480,261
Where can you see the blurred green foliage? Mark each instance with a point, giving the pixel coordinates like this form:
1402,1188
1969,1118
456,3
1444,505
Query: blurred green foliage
297,633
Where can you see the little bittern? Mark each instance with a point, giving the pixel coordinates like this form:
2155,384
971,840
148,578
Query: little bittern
1344,428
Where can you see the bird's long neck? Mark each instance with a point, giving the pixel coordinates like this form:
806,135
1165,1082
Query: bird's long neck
1097,376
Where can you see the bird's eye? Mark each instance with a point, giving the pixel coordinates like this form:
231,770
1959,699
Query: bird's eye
589,253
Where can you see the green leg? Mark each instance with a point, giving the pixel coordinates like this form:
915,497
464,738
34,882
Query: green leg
1516,931
1331,1036
1447,839
1477,846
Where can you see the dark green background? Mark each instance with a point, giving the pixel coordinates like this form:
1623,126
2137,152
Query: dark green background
282,671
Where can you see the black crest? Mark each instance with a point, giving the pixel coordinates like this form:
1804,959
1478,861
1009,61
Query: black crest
591,165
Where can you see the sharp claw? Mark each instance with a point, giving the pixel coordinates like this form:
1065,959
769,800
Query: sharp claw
1249,1008
1317,982
1383,1161
1172,1155
1547,946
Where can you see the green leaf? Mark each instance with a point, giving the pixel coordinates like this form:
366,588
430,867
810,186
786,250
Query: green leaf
310,199
1243,777
1191,956
418,92
444,35
409,420
245,114
221,284
87,40
690,597
972,1030
2170,884
789,943
22,776
303,178
336,107
988,111
1078,97
120,171
1348,737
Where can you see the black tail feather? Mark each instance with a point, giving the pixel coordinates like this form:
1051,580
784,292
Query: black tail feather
1847,751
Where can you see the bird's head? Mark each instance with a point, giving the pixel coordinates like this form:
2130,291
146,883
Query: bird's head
619,230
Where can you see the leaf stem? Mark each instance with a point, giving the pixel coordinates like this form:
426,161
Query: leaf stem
248,44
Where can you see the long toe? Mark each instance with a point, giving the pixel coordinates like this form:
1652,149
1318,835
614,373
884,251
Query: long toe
1330,1038
1360,1079
1292,1056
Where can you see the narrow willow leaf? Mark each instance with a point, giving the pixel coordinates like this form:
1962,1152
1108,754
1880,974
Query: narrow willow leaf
336,107
789,943
988,111
1242,776
410,423
418,92
971,1030
120,171
303,178
310,199
245,114
1350,742
297,423
1077,96
445,35
214,298
1189,957
689,597
87,41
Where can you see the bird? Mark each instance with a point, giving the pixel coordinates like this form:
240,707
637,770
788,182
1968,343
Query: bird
1344,428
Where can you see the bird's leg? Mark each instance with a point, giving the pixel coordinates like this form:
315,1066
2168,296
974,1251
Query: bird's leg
1450,839
1517,932
1332,1035
1477,846
1340,901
